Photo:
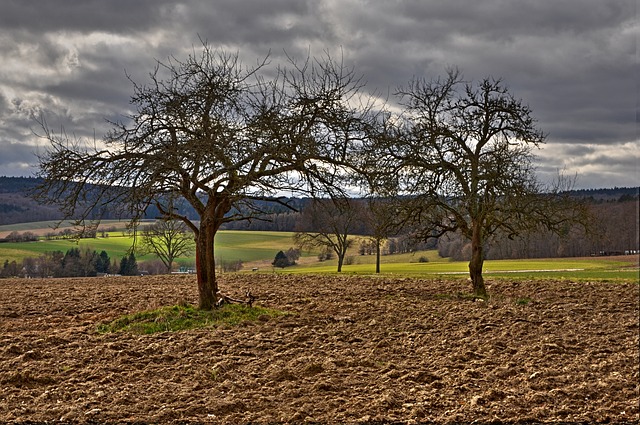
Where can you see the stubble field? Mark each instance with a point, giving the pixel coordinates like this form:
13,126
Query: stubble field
351,349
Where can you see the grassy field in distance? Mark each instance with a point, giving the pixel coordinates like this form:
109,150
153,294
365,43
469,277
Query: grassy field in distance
250,246
230,245
597,268
258,249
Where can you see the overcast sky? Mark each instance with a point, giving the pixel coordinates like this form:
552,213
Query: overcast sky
574,62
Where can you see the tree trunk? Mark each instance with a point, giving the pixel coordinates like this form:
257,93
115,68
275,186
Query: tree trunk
476,263
378,242
206,267
341,250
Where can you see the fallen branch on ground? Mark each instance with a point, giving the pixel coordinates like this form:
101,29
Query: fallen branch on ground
222,299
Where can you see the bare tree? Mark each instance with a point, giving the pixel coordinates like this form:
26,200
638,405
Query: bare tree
168,240
328,224
461,158
217,135
379,216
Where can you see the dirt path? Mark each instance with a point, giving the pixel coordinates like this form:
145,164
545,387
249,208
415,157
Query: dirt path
352,349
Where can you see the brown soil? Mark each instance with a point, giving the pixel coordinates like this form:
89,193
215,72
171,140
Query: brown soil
353,349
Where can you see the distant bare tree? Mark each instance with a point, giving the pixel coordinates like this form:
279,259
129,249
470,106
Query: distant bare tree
215,134
328,224
168,240
381,220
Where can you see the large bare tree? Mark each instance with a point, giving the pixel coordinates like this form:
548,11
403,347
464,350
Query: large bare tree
460,158
217,135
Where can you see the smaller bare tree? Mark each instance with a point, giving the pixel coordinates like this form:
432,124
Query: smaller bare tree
380,218
168,240
327,224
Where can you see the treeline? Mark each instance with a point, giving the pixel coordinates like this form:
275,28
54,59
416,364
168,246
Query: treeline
73,263
78,262
89,263
617,194
20,185
615,233
17,206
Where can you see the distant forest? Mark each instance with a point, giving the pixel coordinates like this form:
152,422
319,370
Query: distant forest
615,209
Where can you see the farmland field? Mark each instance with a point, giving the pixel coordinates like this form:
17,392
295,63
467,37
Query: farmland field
41,228
350,349
618,268
231,245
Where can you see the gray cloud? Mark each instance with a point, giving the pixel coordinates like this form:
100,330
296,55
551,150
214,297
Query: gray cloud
573,61
42,16
19,159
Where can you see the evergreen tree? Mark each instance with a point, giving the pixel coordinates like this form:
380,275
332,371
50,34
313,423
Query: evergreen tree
281,260
129,265
103,262
71,266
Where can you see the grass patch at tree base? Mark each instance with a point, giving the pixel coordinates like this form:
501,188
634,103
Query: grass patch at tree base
183,317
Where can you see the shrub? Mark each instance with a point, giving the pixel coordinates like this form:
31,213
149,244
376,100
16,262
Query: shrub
230,266
326,254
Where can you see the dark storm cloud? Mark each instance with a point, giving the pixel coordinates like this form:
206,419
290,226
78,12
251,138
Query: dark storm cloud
254,23
41,16
573,61
104,82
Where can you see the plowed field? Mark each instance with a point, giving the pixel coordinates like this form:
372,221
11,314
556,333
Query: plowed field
352,349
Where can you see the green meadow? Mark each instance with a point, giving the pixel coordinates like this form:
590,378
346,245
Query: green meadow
260,249
230,246
595,268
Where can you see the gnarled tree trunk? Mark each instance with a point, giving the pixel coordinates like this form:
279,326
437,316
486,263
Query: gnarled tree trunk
211,220
206,267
